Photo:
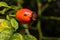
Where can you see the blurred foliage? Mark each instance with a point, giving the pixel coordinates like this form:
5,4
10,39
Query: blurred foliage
46,27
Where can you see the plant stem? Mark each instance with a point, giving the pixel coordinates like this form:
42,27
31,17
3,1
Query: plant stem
27,31
44,7
39,23
26,28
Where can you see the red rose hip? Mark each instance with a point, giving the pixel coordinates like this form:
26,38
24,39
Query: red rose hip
24,15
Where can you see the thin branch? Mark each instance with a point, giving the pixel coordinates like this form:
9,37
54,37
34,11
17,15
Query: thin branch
39,23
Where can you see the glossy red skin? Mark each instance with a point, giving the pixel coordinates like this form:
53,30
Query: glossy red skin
24,19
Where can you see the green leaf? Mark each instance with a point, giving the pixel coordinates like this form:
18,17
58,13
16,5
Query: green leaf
14,7
3,4
29,37
6,33
14,23
4,24
17,36
5,29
